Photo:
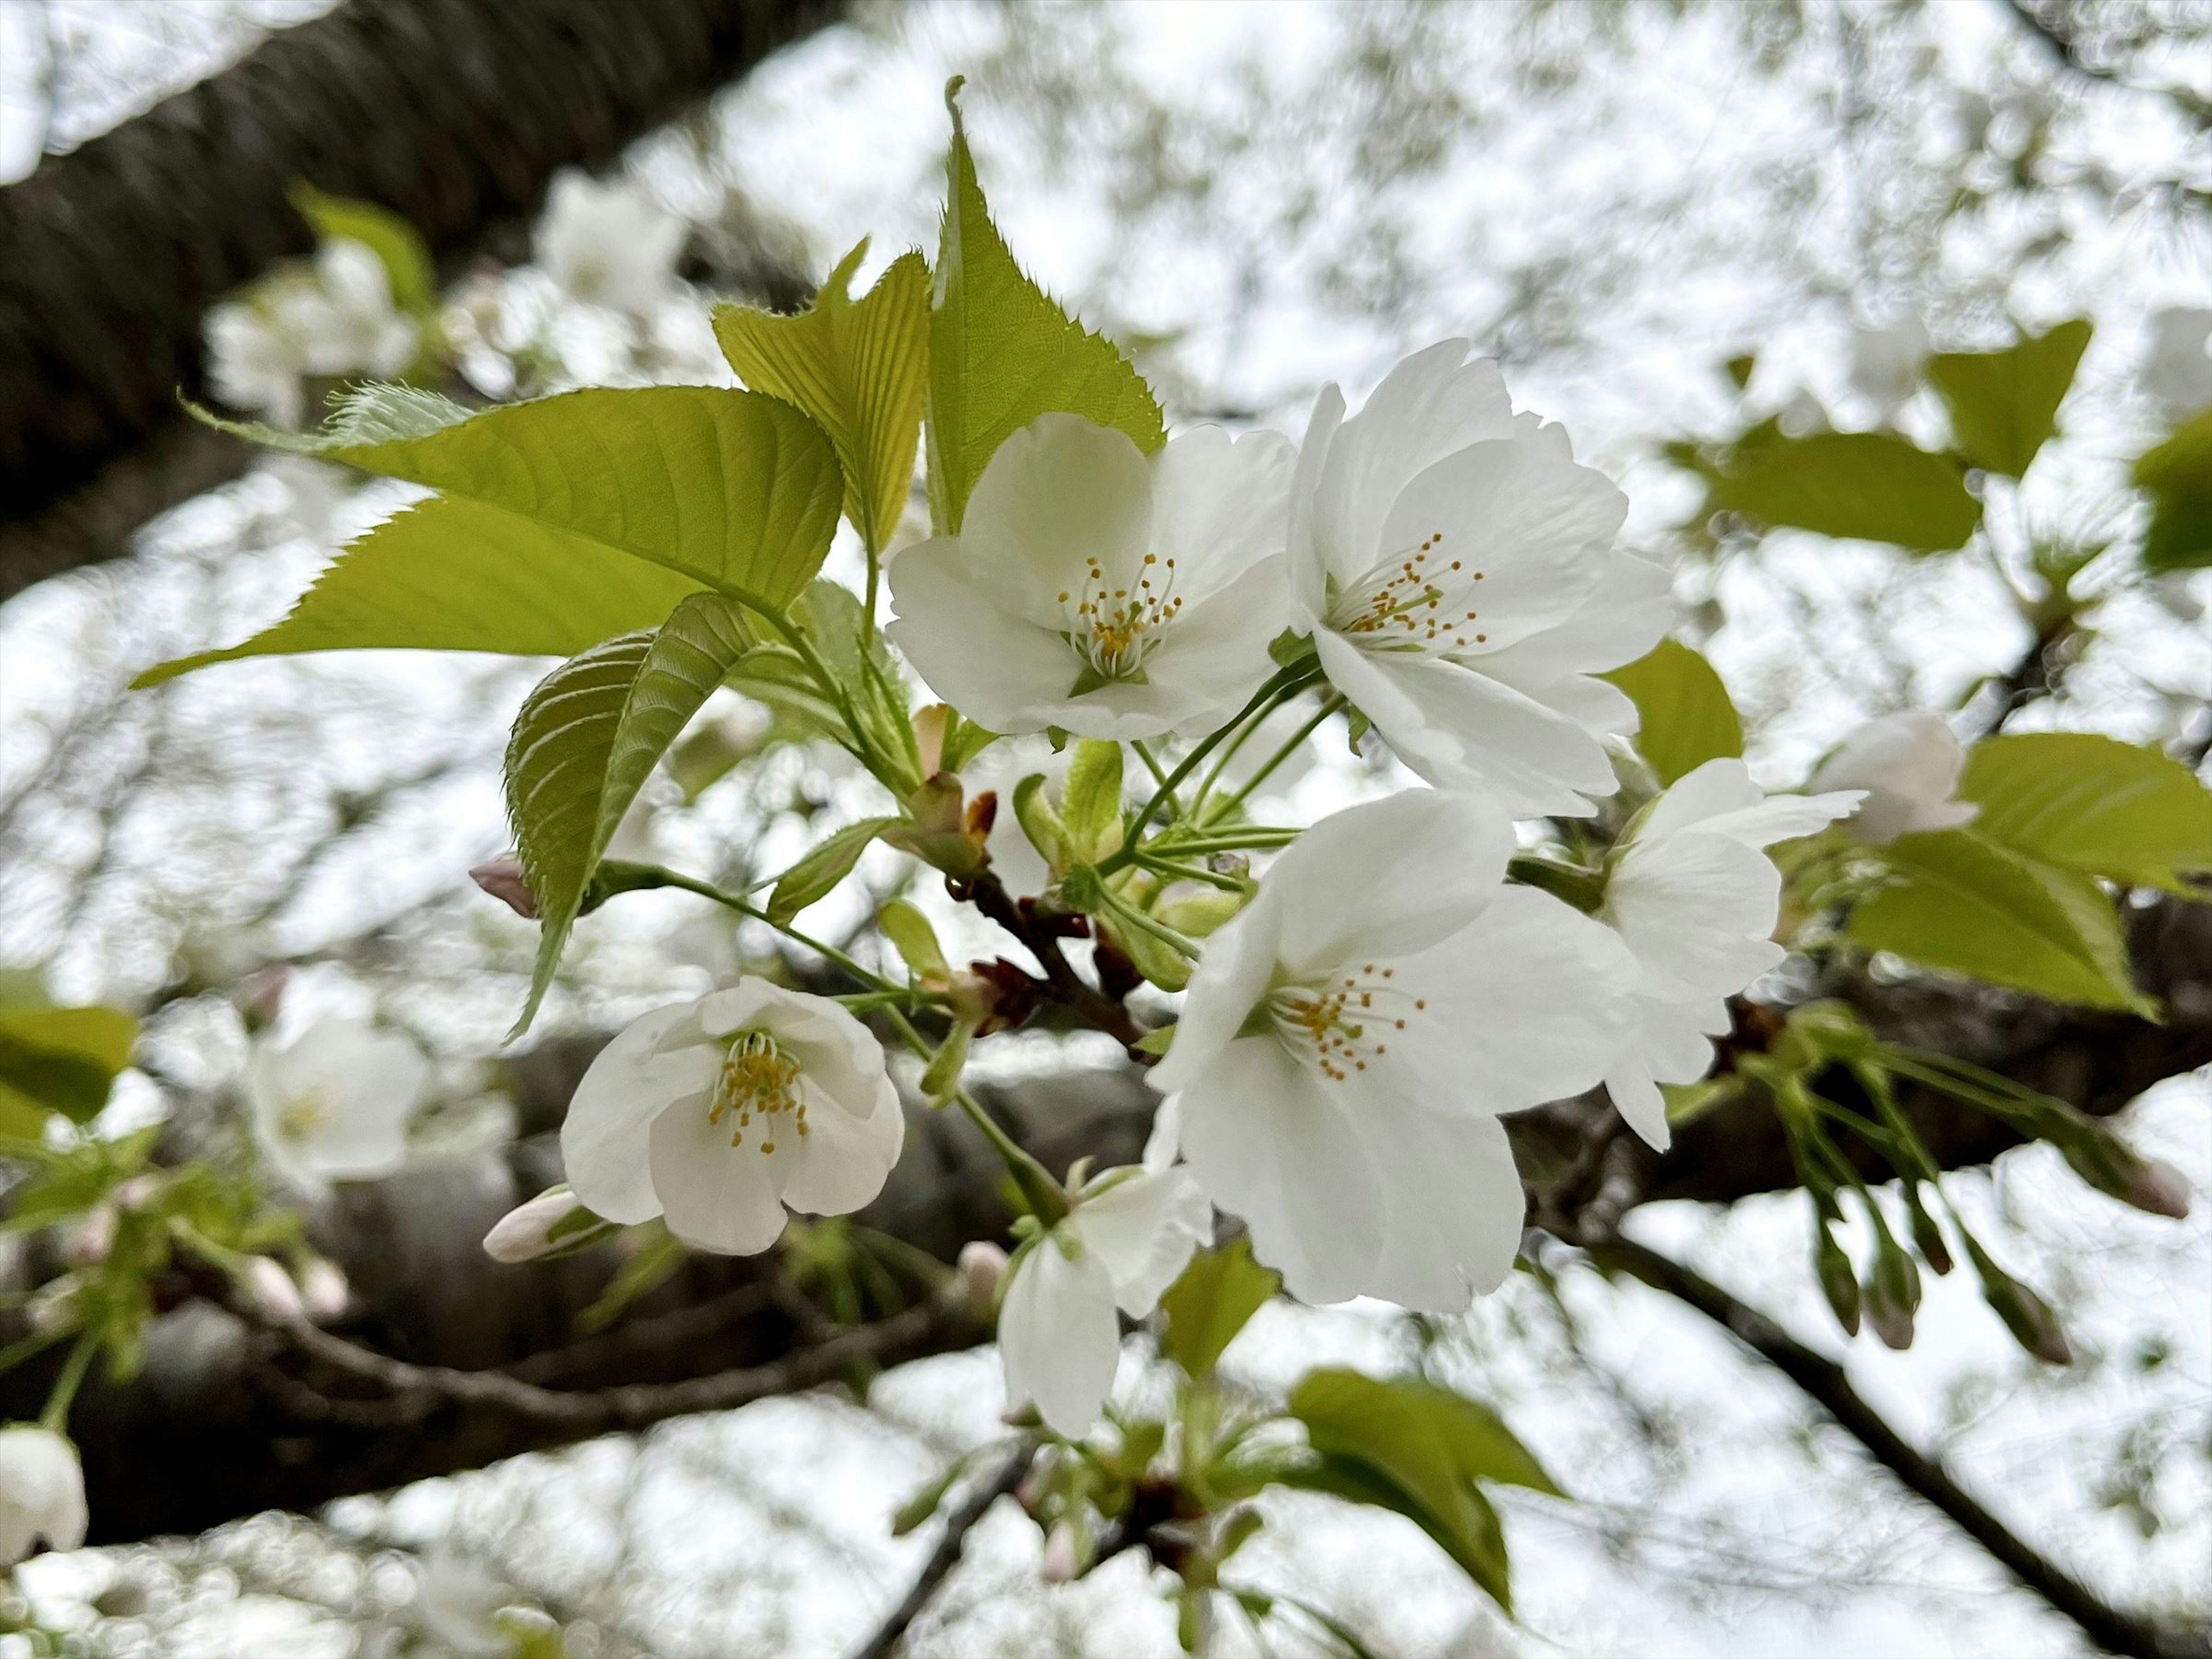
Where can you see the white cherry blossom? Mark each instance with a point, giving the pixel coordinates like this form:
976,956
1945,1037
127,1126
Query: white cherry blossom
608,244
1456,570
41,1494
720,1113
348,321
2177,371
1099,590
333,1104
1885,363
1349,1041
1127,1238
1695,898
1908,764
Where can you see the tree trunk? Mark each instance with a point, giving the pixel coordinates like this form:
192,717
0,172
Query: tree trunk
454,113
226,1421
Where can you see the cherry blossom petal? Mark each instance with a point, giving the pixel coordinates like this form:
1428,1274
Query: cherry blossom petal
1058,1337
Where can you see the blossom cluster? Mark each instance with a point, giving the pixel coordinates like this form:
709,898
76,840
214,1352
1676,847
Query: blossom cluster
1392,986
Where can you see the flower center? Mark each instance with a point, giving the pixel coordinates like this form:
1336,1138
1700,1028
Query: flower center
757,1079
1414,600
303,1114
1113,628
1345,1022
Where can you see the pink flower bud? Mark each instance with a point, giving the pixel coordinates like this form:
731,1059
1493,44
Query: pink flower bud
260,998
522,1233
94,1235
54,1306
982,1270
1058,1566
502,878
268,1290
138,1192
323,1291
2160,1189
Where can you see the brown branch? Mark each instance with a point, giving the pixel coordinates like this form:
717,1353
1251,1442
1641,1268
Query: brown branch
1062,983
1829,1386
946,1555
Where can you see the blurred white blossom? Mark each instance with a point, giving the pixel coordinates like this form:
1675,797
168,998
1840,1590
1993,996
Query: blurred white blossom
2177,371
334,1104
608,244
41,1494
1885,363
1908,764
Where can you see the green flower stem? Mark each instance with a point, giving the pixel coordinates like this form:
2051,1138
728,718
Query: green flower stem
656,875
796,638
1329,706
1253,837
1584,889
1043,1192
37,1343
1159,774
1158,866
1285,682
1246,725
1127,914
55,1419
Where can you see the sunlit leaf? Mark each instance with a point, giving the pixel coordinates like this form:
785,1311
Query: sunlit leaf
398,245
60,1060
1218,1293
2178,476
1870,486
2093,803
1002,353
814,876
2005,403
1686,713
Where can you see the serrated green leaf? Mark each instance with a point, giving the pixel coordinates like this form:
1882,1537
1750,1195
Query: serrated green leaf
860,368
914,940
1002,353
2092,804
2177,475
1217,1295
584,742
1962,904
1390,1445
2005,403
1687,715
399,248
829,863
60,1060
1870,486
1091,801
548,509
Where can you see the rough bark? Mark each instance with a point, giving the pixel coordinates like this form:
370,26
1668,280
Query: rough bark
454,113
226,1421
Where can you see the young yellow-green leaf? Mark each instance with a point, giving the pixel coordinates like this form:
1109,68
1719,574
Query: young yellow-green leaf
1002,353
584,741
2005,403
1868,486
1152,957
914,940
1686,717
2094,804
398,245
60,1060
1963,903
1401,1445
1218,1293
1091,802
829,863
730,490
2178,476
860,368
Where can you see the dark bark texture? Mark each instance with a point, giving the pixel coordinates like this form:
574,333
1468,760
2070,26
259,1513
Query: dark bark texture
227,1420
454,113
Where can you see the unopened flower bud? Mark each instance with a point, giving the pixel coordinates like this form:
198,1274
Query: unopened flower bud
2025,1315
1838,1282
260,998
52,1308
1927,1237
269,1291
323,1291
1058,1566
2160,1189
524,1233
929,736
982,1271
138,1192
502,878
1892,1295
94,1235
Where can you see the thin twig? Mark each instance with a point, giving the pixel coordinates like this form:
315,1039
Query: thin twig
946,1555
1829,1386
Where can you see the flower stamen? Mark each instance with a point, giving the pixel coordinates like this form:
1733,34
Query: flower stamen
1116,628
757,1079
1401,604
1332,1019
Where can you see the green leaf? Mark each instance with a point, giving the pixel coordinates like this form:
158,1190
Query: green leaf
398,247
2093,803
1870,486
2005,403
659,1253
860,369
584,742
555,515
1091,802
1210,1303
1407,1445
829,863
1002,353
914,940
2178,474
1686,716
1965,904
60,1060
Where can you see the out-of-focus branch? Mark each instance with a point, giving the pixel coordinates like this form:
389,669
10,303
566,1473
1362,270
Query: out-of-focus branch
946,1556
1829,1386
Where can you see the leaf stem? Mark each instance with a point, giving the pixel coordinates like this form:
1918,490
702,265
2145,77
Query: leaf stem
1291,746
55,1417
1282,684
